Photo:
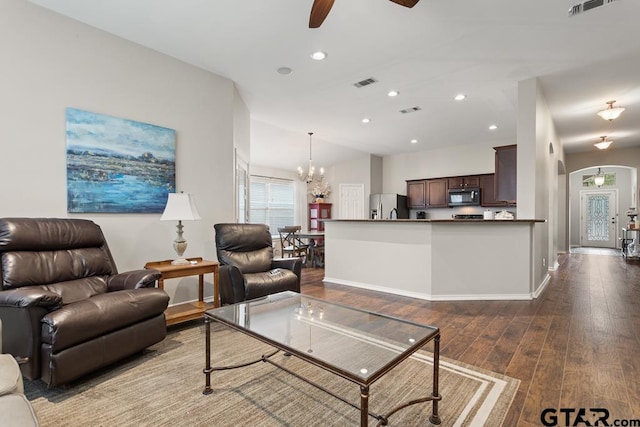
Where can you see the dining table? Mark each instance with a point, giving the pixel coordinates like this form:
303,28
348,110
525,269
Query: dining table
316,247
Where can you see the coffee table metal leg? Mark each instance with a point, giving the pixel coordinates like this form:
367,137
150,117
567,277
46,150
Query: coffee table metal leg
435,418
364,406
207,351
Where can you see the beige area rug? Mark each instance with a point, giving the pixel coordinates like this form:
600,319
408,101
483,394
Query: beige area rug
163,387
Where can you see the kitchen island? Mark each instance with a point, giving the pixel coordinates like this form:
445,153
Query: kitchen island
436,260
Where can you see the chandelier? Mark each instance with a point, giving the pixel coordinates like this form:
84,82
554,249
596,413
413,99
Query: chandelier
309,175
612,112
604,143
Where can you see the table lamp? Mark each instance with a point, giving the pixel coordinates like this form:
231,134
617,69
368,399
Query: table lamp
180,207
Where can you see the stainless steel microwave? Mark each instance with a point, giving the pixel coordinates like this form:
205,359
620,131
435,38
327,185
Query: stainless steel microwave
463,197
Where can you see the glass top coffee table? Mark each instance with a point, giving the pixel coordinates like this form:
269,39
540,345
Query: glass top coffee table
339,339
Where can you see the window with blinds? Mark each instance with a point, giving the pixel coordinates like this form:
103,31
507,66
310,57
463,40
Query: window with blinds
271,202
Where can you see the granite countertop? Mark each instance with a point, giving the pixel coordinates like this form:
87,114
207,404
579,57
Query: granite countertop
484,221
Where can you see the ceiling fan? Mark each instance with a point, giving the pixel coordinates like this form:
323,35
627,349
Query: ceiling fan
321,8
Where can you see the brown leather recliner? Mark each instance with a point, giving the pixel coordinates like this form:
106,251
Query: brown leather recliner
63,304
247,267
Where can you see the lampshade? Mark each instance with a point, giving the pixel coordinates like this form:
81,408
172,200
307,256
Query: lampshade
180,207
612,112
604,143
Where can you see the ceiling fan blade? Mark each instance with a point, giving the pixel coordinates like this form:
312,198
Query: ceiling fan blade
319,12
406,3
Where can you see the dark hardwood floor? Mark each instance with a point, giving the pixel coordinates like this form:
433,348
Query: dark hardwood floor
576,346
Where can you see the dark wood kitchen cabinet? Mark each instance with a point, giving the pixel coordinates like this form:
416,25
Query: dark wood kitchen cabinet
471,181
436,193
416,197
427,193
487,192
506,173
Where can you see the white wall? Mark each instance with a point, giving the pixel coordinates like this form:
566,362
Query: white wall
456,160
612,156
365,170
377,175
241,127
428,248
563,212
550,156
538,182
51,62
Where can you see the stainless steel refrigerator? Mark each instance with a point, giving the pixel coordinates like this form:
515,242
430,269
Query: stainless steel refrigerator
388,206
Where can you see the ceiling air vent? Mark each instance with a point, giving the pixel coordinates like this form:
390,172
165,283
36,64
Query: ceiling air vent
587,5
365,82
410,110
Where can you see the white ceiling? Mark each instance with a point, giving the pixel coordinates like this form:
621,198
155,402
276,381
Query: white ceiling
428,53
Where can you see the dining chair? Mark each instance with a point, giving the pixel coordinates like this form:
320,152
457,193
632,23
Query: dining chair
290,242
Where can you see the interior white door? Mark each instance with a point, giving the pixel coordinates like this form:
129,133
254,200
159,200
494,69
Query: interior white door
598,217
351,201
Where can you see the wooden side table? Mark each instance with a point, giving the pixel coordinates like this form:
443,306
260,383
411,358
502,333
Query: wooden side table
189,310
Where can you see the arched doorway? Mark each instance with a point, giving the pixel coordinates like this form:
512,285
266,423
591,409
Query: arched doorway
597,212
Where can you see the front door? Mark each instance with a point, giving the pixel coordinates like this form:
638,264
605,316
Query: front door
598,217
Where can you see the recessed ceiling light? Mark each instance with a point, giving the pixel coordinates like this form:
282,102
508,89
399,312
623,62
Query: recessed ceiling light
393,93
493,127
366,120
285,71
460,97
319,55
414,141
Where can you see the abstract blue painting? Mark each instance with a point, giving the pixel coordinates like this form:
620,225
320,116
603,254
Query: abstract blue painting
118,165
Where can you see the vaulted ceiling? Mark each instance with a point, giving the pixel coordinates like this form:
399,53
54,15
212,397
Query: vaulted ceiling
428,53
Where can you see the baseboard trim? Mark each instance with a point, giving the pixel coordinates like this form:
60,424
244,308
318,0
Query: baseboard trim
542,287
430,297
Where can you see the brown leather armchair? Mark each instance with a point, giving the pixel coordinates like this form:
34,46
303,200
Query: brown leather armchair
247,267
63,304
